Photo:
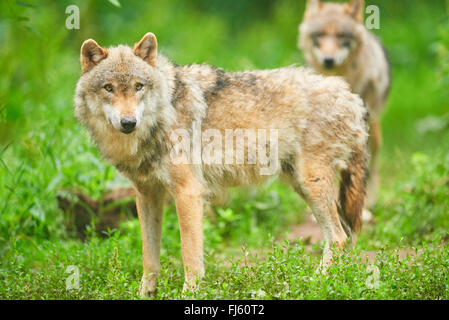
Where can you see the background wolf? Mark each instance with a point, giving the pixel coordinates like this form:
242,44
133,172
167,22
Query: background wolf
130,100
336,42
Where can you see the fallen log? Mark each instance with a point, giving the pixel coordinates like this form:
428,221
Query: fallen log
107,212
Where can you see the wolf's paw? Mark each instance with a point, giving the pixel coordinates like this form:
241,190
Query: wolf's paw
190,288
147,294
148,287
322,269
368,217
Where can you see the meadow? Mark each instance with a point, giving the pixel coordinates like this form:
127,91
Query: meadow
44,152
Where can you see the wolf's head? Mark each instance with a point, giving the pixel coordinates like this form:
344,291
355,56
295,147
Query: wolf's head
330,33
120,84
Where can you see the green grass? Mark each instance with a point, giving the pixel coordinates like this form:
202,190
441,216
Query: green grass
110,269
43,150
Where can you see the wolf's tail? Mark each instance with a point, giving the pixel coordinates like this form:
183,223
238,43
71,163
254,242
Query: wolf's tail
352,192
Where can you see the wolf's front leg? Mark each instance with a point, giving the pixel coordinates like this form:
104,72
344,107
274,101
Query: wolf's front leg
188,193
150,206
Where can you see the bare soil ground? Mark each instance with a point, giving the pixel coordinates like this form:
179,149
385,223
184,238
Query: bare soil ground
309,232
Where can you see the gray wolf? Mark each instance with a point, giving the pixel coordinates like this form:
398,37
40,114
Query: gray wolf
132,100
335,42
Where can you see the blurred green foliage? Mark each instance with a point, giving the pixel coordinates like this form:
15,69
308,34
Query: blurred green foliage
417,210
43,148
443,51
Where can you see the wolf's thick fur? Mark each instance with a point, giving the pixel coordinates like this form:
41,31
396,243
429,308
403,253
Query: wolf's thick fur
335,42
321,125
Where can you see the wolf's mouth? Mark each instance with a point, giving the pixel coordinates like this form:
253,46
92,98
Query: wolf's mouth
126,131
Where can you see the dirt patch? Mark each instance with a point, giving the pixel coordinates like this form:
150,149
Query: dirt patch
309,232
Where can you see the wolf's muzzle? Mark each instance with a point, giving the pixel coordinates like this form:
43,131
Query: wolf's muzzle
128,125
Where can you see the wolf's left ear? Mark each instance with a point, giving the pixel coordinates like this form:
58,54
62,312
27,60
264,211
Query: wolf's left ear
91,54
147,48
313,6
355,9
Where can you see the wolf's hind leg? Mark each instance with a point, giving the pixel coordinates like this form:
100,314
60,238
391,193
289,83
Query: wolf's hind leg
375,142
316,185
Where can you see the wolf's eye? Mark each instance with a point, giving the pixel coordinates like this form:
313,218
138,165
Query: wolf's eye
108,87
345,36
316,37
139,86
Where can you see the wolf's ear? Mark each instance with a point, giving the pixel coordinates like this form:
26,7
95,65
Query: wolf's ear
147,48
91,55
355,9
313,6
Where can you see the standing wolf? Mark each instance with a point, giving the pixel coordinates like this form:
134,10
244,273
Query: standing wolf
335,42
134,102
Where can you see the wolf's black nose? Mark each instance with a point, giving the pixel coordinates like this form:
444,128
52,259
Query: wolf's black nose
128,124
329,62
